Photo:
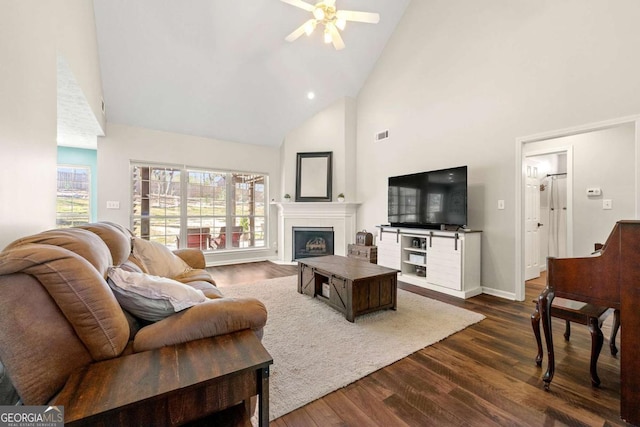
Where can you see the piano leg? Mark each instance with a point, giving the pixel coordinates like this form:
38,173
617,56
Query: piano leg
535,325
614,332
597,339
544,302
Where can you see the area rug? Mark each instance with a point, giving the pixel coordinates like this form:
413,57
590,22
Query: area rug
316,350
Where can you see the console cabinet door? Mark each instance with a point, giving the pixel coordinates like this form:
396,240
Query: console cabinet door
444,262
389,253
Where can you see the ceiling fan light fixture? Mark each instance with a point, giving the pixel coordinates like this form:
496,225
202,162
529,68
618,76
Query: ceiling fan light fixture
333,20
309,27
327,35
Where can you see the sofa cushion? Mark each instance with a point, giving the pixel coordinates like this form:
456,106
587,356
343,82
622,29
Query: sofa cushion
158,260
195,275
82,242
209,319
117,240
207,288
151,297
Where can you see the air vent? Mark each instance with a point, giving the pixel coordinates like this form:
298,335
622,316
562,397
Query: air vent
382,136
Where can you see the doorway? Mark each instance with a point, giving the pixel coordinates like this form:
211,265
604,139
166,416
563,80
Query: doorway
595,170
547,220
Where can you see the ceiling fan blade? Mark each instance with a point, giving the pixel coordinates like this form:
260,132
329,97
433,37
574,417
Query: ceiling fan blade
352,15
299,31
301,4
336,39
330,2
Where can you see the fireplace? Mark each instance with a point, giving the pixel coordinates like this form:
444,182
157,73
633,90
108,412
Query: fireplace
312,241
341,217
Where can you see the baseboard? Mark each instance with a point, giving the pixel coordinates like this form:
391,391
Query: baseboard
499,293
280,262
230,261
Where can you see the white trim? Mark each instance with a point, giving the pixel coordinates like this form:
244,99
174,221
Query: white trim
339,215
499,293
519,285
218,262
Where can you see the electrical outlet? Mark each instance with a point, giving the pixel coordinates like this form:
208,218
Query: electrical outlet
111,204
607,204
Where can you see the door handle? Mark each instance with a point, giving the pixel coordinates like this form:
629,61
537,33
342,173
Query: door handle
540,225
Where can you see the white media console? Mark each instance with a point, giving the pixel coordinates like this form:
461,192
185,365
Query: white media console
443,261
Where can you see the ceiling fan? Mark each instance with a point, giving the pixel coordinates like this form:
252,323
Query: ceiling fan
325,13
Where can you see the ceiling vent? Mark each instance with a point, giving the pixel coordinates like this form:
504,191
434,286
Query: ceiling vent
382,136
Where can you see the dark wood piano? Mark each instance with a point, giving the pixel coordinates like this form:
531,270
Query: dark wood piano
611,279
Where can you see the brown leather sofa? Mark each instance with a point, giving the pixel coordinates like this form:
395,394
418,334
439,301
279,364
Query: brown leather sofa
58,313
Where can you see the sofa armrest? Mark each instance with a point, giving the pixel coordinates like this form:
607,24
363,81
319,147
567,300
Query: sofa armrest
193,257
208,319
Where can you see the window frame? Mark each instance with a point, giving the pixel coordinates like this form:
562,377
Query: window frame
185,219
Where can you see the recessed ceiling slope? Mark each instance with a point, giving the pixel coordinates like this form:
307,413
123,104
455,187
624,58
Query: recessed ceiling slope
221,69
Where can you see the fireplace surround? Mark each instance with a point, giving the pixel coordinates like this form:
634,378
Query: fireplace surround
341,216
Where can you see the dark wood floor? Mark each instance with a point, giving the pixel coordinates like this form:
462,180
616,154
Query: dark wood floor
482,376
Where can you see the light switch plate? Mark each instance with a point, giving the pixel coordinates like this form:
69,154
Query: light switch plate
501,204
111,204
607,204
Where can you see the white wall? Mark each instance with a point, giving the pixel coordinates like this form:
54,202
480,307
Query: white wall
27,118
123,144
460,81
31,34
78,44
603,159
333,129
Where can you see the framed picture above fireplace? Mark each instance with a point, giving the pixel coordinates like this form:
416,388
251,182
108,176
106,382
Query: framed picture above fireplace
313,177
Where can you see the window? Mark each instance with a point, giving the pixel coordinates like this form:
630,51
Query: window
73,202
197,208
157,203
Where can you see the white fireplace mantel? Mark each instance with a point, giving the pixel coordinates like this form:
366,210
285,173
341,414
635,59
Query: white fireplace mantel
339,215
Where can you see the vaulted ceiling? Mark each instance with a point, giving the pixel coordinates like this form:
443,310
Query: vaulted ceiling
222,69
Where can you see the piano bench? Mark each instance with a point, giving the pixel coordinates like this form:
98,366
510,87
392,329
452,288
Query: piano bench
584,314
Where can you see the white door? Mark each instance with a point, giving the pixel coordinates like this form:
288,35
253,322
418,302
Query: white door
532,221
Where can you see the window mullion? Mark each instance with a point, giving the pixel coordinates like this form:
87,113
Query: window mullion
229,218
184,209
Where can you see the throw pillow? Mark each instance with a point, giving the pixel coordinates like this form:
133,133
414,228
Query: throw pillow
151,297
158,260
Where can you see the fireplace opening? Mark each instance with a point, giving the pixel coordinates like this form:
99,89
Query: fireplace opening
312,241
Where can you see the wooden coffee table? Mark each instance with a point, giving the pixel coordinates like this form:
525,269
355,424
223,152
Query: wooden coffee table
351,286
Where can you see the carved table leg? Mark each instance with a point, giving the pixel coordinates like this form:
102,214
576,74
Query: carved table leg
597,339
544,300
614,332
535,325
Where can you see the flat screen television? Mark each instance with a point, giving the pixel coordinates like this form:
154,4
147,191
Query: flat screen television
429,199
